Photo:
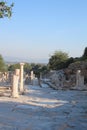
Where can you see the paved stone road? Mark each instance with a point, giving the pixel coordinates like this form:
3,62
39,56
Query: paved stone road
44,109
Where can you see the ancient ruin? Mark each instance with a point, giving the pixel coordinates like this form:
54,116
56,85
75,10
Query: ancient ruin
13,81
41,106
21,78
71,78
61,80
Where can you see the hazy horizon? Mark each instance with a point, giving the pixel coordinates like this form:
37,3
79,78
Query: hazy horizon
18,59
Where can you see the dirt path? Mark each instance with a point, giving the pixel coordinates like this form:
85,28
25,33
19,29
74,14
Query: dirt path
44,109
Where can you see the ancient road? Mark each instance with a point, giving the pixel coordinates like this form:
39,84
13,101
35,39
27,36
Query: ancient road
44,109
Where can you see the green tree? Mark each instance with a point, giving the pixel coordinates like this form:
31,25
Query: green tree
36,68
39,68
2,64
84,56
68,62
27,67
57,60
5,10
13,67
85,53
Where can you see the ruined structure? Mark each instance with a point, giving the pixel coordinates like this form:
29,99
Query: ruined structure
21,78
73,77
31,79
13,81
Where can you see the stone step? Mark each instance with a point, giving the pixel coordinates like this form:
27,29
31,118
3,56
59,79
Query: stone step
2,88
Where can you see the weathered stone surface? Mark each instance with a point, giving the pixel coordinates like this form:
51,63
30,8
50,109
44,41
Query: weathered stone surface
14,93
57,79
44,109
21,78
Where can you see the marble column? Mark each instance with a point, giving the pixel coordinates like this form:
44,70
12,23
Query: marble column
79,80
21,78
14,93
78,77
32,77
17,72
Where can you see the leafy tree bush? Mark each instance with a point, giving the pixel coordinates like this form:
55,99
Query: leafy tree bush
5,10
37,68
13,67
58,60
27,68
2,64
68,62
84,56
85,52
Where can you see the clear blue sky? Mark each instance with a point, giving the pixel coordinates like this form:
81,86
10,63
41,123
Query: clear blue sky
40,27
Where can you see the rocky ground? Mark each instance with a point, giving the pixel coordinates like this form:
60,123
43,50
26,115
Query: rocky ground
44,109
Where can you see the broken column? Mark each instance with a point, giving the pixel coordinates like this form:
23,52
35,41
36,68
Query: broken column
32,76
17,72
21,78
79,80
15,83
15,86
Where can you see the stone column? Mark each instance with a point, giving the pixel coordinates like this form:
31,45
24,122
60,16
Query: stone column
79,80
78,77
21,78
15,86
32,77
17,72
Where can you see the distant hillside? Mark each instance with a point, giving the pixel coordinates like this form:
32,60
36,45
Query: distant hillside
14,60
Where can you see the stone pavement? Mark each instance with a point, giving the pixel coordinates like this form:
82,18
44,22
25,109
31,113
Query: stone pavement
44,109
